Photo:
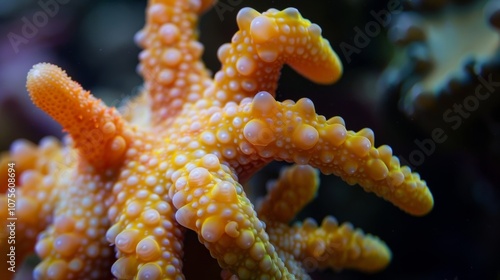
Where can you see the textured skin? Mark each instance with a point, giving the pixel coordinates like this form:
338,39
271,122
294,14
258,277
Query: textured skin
316,247
175,161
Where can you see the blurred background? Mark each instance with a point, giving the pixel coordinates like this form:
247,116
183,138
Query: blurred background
411,68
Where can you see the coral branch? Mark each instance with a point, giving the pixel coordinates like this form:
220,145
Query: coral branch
170,62
148,240
211,202
295,188
73,246
253,60
330,245
98,131
295,133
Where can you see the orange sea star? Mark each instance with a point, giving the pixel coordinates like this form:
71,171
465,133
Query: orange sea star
176,159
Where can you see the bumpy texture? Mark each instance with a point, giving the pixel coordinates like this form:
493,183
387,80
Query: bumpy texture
176,159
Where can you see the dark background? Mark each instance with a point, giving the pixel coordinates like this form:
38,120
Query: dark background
459,239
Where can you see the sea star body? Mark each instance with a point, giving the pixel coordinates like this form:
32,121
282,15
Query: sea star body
176,159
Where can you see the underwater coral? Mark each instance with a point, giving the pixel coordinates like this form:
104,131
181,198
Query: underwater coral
456,240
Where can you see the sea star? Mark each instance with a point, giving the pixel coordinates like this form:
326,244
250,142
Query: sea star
175,161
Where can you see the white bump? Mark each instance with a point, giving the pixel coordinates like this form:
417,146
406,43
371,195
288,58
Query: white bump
169,33
150,180
132,180
245,65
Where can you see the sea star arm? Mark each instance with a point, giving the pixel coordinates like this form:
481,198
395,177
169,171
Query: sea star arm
170,62
211,202
253,60
315,247
293,132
